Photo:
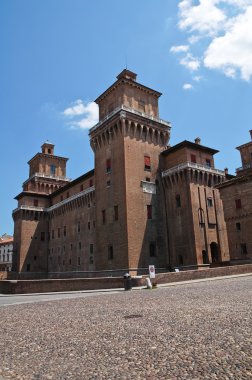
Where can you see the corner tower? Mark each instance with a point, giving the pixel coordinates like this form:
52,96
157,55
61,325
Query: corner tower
127,142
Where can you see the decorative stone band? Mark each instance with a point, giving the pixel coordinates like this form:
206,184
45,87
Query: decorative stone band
193,172
65,202
47,176
131,123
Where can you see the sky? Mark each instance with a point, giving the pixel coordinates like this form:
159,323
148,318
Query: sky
58,56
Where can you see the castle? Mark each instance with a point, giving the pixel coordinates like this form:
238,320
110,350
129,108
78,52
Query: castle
144,203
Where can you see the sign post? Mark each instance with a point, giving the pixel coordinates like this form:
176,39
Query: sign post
152,271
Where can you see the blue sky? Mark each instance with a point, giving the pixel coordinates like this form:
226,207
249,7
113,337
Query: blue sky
57,56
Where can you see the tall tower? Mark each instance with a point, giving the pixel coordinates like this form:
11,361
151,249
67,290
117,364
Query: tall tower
127,142
47,173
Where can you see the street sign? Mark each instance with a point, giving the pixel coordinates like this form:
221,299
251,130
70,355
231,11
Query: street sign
152,271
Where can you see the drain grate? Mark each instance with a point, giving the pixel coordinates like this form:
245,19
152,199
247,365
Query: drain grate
133,316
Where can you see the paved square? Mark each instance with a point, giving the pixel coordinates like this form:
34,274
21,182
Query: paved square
192,331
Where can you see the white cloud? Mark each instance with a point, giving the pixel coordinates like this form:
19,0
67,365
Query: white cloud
220,32
82,114
190,62
232,53
187,86
179,48
197,78
205,17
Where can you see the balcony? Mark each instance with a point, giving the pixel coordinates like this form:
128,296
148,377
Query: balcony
133,111
48,176
192,165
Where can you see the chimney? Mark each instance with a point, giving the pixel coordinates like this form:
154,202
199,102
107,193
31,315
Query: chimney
226,171
197,140
250,133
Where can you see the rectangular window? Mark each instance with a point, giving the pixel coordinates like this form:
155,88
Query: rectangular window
28,267
208,163
58,232
79,245
78,260
108,183
53,169
152,250
91,260
141,105
244,249
91,248
67,194
90,183
147,163
238,203
61,198
78,227
42,236
81,187
52,234
103,216
147,179
88,225
238,226
110,252
149,211
178,201
193,158
209,202
108,165
64,231
115,212
35,202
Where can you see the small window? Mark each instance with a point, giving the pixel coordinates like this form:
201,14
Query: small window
90,183
52,234
91,248
147,179
58,232
193,158
88,225
35,202
152,250
67,194
147,163
58,259
141,105
64,231
79,245
34,258
115,212
42,236
28,267
52,169
78,260
244,249
108,183
70,261
91,260
209,202
178,201
238,203
110,252
208,163
81,187
149,211
108,165
71,247
61,198
238,226
78,227
103,216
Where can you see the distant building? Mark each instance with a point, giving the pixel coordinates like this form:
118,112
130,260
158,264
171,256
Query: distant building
144,203
6,250
237,201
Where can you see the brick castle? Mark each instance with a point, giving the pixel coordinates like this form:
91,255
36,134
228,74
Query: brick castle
144,203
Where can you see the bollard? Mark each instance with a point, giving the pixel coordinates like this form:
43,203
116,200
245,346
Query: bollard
148,283
127,281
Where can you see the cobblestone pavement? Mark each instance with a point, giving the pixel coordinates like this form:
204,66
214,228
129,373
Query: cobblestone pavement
194,331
